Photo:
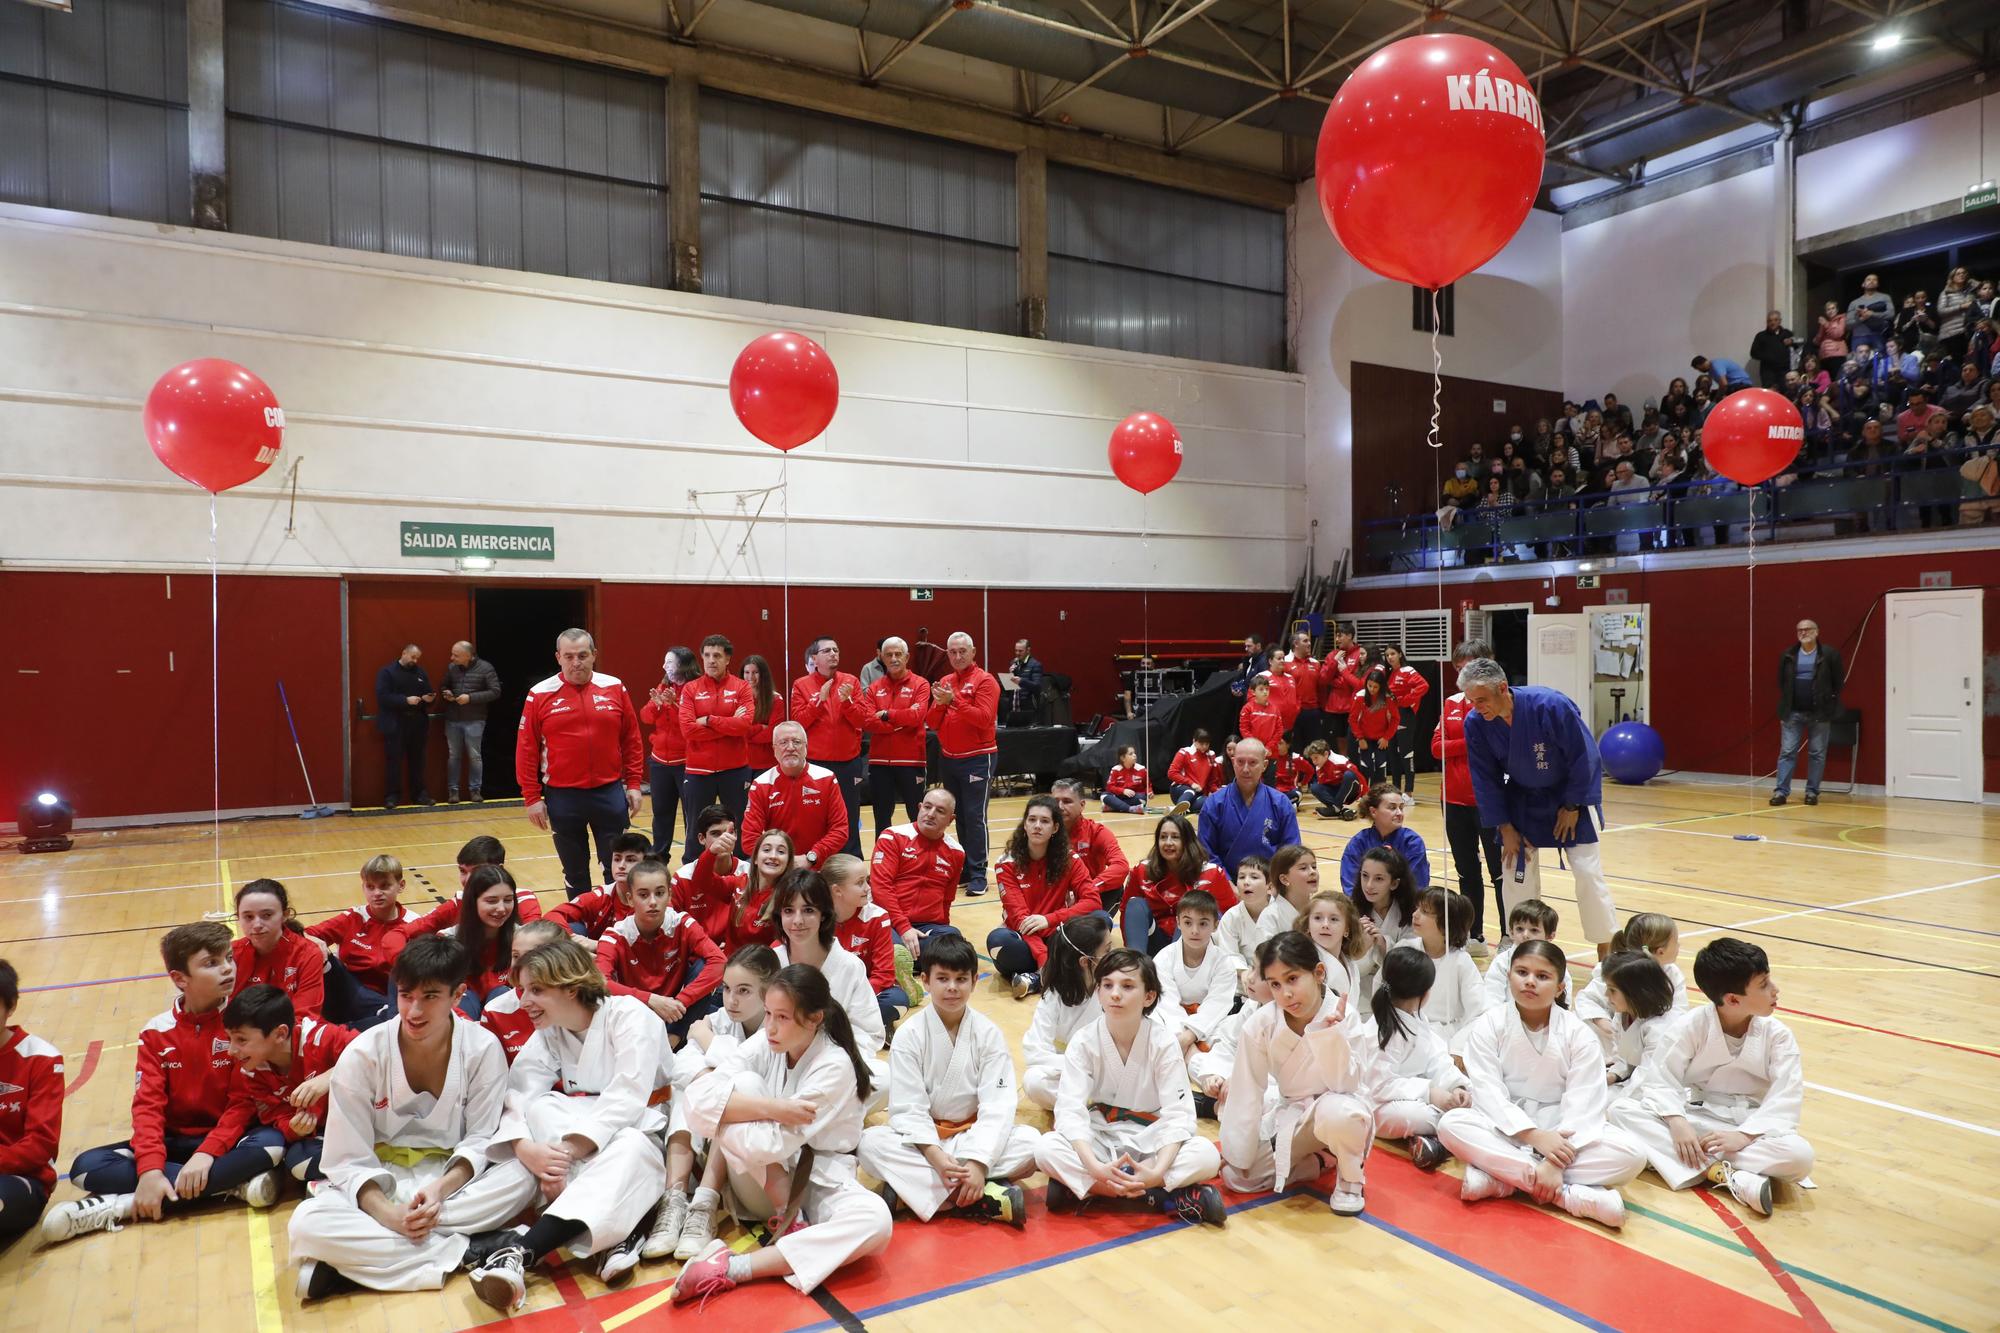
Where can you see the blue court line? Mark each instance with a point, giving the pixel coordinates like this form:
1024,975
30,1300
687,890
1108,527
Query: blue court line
1549,1303
107,981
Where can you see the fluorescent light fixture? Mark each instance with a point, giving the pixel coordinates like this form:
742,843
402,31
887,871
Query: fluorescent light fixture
1595,566
1887,41
469,563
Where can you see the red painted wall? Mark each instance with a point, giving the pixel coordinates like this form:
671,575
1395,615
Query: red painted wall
1704,645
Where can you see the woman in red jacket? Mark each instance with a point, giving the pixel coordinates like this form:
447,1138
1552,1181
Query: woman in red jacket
1373,719
766,712
271,948
666,762
1041,886
1159,881
1407,687
483,918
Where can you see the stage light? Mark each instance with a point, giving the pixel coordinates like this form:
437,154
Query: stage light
1887,41
45,822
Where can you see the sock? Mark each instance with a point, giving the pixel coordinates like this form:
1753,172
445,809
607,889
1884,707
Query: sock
704,1197
739,1268
549,1234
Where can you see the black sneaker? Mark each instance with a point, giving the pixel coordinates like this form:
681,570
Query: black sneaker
502,1281
1345,813
616,1264
1812,798
475,797
1777,800
481,1244
318,1280
1426,1153
1200,1204
1204,1106
1060,1198
975,890
451,798
389,807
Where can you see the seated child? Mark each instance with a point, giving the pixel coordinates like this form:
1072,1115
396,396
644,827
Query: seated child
951,1142
1334,927
1154,887
1189,773
180,1094
1441,926
1642,1004
591,914
1385,896
1259,915
30,1118
864,930
284,1065
801,908
706,885
1126,787
1197,979
503,1015
355,942
1337,781
660,957
271,948
1653,933
1721,1094
1291,773
1529,919
1423,1080
1124,1122
486,850
1068,1003
482,918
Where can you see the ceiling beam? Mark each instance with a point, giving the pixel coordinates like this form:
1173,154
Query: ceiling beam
904,47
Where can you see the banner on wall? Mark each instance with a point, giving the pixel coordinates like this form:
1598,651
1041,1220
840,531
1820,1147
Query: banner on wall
451,540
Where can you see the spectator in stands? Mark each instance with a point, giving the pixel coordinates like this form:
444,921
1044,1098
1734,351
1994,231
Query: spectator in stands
1927,450
1897,359
1460,490
1616,416
1545,437
1475,459
1669,467
1919,410
1986,301
1497,502
1818,423
1832,334
1985,343
1958,400
1870,450
1870,315
1955,313
1771,349
1647,438
1726,373
1916,325
1677,392
1524,482
1813,373
1982,430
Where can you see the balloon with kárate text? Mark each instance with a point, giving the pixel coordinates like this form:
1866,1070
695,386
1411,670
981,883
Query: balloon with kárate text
1752,435
214,423
784,389
1145,451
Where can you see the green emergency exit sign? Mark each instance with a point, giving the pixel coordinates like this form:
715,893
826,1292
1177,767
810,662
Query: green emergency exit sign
454,540
1981,195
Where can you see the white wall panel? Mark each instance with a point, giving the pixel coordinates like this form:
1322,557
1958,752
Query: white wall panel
1934,159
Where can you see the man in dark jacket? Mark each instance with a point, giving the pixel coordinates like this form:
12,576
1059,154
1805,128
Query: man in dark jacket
470,684
1771,349
402,694
1809,679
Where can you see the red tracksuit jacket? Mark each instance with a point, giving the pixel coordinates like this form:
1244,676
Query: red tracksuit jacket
966,726
1164,895
578,736
503,1018
295,966
1448,744
808,807
596,911
719,746
1284,698
1103,859
1290,772
488,972
181,1085
1408,687
1026,893
913,878
360,943
1304,674
757,747
31,1106
1129,782
867,935
1261,721
1192,769
833,729
669,746
899,740
1335,770
263,1096
707,894
643,966
1374,724
1338,683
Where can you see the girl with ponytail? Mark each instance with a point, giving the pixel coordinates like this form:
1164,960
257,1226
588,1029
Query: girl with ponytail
1068,1003
1423,1082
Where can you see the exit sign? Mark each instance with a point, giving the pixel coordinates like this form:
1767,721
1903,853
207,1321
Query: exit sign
1982,195
920,594
1586,580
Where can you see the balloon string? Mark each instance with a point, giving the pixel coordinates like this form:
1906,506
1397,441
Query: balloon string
1750,645
1146,641
215,683
785,556
1437,378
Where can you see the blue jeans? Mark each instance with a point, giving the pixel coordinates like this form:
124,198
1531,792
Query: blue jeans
1800,727
351,1001
665,782
853,777
969,781
892,1001
1141,932
112,1169
578,814
464,738
729,789
1183,792
1123,805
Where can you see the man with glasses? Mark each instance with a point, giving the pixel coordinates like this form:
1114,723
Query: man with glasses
1809,679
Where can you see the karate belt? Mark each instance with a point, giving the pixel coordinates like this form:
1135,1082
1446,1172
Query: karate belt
1113,1114
951,1129
1199,1044
395,1154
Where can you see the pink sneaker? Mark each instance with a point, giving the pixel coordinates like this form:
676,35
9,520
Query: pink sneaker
706,1275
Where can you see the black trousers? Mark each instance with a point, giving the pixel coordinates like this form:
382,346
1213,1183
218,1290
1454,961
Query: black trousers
1468,839
403,748
578,814
890,785
730,789
21,1204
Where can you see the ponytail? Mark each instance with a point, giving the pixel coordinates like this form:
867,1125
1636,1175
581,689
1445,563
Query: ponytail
1644,933
1066,973
807,987
1407,974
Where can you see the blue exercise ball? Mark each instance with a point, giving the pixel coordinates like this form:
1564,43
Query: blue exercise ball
1633,753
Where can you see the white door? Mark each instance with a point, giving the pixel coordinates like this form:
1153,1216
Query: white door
1559,655
1934,746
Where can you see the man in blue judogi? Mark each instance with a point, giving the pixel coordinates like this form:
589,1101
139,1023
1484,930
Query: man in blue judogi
1249,816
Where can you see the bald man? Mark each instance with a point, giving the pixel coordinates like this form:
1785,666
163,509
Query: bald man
470,684
898,701
1249,817
799,797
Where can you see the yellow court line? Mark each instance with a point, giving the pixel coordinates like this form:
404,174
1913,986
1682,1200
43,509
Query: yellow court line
651,1303
228,890
264,1273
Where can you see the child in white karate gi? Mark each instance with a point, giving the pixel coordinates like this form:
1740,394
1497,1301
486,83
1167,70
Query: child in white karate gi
1721,1094
1440,927
1334,926
1641,996
951,1142
1529,919
1068,1003
1423,1082
802,909
1124,1124
1258,915
1653,933
1197,979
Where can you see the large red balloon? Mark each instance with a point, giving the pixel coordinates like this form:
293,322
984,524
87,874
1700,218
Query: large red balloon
1750,436
1430,157
1145,451
784,389
214,423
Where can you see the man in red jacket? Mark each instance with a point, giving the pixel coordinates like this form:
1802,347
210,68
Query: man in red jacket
800,798
898,701
715,722
915,872
578,759
1093,844
831,706
965,710
666,763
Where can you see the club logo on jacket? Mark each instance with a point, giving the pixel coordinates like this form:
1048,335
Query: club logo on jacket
220,1045
9,1089
381,1103
1541,755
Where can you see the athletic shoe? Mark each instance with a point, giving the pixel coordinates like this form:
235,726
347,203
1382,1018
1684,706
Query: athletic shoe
389,807
481,1244
1777,799
697,1231
617,1263
1004,1201
975,890
1181,808
475,797
80,1217
1812,798
1427,1154
1060,1198
707,1275
1347,1200
1593,1204
1478,947
1204,1106
1344,813
1197,1204
1023,985
667,1225
502,1281
319,1280
259,1191
1478,1185
451,798
1752,1191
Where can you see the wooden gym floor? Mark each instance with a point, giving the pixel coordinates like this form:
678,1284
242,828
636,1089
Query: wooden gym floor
1882,920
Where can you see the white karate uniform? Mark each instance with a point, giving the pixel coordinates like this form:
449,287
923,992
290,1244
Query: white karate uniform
847,981
597,1084
1756,1086
690,1062
846,1221
371,1102
1328,1082
937,1080
1632,1044
1152,1081
1521,1080
1593,1002
1418,1064
1197,997
1394,930
1240,935
1047,1040
1456,996
1495,979
1343,977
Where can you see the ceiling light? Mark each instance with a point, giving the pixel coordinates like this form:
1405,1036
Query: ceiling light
1887,41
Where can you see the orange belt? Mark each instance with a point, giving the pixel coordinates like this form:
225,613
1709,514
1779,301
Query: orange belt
951,1129
1114,1114
1199,1045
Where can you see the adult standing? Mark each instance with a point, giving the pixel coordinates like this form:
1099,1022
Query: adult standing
1334,695
1249,817
1028,677
1809,681
666,761
470,684
402,695
798,797
1462,830
579,760
1869,314
716,724
1771,349
1729,376
965,711
878,666
1255,664
1538,780
829,704
1304,673
898,701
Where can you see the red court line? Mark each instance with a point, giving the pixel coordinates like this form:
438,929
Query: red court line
1803,1303
90,1054
1890,1032
574,1301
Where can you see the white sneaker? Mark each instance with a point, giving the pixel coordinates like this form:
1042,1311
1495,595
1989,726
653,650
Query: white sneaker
1752,1191
80,1217
258,1191
1593,1204
1478,1185
666,1233
697,1231
1021,987
1347,1200
502,1281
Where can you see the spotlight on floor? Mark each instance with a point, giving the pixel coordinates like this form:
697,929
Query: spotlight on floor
45,822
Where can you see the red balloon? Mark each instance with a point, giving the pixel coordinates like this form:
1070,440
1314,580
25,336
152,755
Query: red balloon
1752,435
1145,451
214,423
1430,157
784,389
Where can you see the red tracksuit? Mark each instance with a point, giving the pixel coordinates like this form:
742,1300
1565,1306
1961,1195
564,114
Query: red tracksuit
966,726
503,1018
1129,782
1261,722
31,1106
868,936
808,807
1192,768
578,736
1290,772
708,894
1374,724
360,942
833,728
489,972
1027,893
1408,687
1284,698
181,1084
757,747
719,746
1448,744
596,911
669,746
1335,770
1104,860
295,966
1304,675
898,741
913,878
263,1096
1163,896
643,966
1338,683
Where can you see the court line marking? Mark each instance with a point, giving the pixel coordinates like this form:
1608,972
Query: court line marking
1851,851
1857,902
1906,1110
90,1058
1547,1302
264,1273
1793,902
1970,1048
1801,1302
106,981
